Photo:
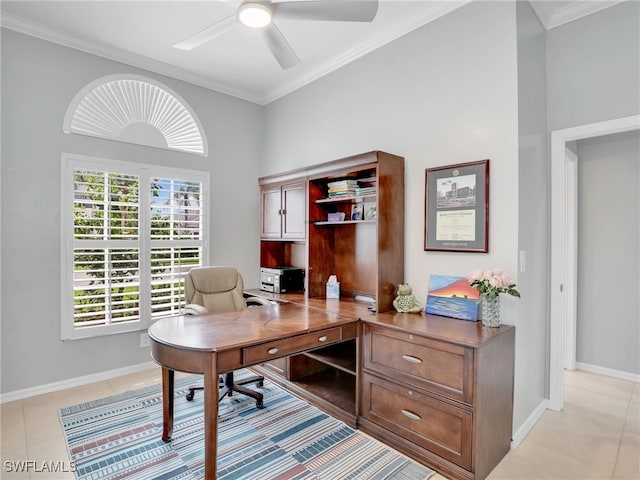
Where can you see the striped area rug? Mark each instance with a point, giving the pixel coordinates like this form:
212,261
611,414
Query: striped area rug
119,438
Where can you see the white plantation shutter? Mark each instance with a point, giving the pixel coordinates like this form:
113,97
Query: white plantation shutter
109,106
176,240
106,286
106,267
130,233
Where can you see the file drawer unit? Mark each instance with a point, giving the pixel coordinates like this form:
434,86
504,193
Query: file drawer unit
440,390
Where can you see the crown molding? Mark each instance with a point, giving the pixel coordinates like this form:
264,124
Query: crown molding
27,27
543,11
552,17
431,12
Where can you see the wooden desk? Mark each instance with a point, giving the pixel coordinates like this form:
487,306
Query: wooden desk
217,343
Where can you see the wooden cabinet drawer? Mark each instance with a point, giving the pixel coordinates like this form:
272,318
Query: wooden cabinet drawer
279,348
439,367
443,428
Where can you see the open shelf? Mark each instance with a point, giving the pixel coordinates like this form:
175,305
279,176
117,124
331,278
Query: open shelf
341,356
332,385
331,390
346,198
344,222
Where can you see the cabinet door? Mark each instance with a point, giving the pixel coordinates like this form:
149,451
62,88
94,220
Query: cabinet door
294,208
271,218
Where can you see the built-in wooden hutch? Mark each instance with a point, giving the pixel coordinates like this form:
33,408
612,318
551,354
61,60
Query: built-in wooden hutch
438,389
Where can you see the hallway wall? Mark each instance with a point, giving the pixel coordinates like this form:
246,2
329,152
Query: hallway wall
608,330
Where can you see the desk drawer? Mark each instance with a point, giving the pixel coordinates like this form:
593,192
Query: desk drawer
279,348
440,427
439,367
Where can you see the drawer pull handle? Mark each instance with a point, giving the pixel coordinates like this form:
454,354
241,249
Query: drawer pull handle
411,415
411,359
272,351
323,338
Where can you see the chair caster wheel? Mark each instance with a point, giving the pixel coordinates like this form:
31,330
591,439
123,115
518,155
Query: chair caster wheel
259,404
190,396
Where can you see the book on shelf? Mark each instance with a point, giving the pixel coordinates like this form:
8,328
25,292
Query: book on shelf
367,180
342,192
342,189
346,193
365,191
343,183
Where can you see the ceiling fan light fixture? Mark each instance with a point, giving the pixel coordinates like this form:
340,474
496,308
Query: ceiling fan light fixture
254,14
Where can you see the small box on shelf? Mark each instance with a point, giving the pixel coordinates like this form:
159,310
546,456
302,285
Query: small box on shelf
336,217
333,287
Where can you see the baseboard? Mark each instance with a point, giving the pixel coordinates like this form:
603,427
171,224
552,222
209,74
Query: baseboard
609,372
74,382
528,424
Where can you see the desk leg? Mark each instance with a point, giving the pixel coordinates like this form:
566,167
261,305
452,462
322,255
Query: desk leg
210,417
167,403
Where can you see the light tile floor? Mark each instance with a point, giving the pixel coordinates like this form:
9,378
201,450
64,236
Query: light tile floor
596,436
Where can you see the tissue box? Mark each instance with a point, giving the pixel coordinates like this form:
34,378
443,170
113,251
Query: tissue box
336,217
333,290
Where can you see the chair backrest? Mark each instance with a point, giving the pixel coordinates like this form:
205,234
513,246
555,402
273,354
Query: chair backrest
218,289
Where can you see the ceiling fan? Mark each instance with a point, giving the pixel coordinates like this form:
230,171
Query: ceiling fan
260,13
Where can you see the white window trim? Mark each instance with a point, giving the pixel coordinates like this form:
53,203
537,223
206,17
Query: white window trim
71,161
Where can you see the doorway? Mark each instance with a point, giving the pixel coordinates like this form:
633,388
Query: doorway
563,301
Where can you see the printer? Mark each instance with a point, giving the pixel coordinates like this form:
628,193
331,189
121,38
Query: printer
282,279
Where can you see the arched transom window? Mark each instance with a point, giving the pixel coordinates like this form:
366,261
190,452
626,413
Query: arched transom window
135,109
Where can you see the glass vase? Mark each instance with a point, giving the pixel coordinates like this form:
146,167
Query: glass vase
489,311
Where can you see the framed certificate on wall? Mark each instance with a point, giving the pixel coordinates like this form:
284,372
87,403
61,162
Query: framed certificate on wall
457,208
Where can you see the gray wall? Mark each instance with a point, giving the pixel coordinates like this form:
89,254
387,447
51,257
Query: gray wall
593,67
608,330
446,93
593,75
39,79
532,208
443,94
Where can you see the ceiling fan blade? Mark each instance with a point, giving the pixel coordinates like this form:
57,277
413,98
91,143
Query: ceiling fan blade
207,34
332,10
279,46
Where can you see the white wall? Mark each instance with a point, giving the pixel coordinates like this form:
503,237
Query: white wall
39,79
443,94
593,67
533,204
608,326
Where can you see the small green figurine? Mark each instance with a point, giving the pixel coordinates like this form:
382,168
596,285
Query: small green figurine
406,302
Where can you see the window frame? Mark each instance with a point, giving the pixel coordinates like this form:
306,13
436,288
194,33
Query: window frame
146,172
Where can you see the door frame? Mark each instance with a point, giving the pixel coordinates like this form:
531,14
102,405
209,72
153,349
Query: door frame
571,257
558,300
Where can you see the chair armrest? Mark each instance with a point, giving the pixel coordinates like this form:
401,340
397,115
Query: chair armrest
258,301
194,309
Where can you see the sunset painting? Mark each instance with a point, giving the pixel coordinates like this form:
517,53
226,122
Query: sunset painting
451,296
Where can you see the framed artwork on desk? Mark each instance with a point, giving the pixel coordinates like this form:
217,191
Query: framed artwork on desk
370,211
457,208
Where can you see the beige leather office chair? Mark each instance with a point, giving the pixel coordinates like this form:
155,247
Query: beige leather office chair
214,290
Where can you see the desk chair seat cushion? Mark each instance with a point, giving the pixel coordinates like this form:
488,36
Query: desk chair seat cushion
218,289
